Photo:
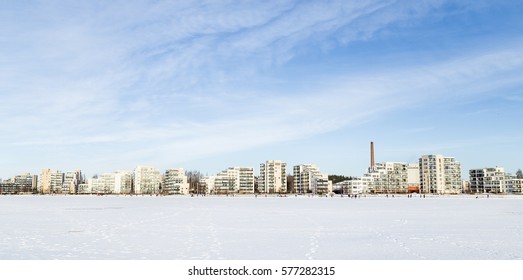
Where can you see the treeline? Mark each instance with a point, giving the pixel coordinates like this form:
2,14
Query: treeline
338,178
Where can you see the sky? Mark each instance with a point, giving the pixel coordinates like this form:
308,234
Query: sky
205,85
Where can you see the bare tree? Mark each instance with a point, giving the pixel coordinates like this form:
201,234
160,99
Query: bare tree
195,179
519,174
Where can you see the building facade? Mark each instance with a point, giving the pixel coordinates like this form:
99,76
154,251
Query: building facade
118,182
147,180
354,185
307,178
234,180
440,174
517,185
50,181
175,182
391,177
273,177
489,180
71,181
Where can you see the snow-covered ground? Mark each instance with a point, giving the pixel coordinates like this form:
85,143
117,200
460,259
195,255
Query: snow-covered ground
244,228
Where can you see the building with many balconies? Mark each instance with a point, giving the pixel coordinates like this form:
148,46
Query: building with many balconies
118,182
273,177
147,180
440,174
71,181
307,178
50,181
234,180
489,180
175,182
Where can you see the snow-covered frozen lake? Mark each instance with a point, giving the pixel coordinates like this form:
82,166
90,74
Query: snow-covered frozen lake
245,228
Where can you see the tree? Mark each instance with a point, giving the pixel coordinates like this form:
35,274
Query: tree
519,174
338,178
195,178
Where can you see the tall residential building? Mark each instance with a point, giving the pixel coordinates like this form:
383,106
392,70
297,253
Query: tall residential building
234,180
488,180
146,180
246,179
175,182
390,177
440,174
123,181
413,177
226,182
71,181
273,177
309,179
50,181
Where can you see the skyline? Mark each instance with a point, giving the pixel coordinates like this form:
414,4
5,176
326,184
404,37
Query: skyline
108,86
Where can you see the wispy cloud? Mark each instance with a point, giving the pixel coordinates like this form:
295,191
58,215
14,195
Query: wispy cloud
188,79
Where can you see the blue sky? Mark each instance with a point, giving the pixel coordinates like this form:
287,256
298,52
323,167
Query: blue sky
108,85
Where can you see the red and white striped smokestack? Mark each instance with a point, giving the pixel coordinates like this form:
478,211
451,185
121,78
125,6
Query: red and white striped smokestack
372,166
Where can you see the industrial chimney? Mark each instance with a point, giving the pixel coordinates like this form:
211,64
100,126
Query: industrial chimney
372,165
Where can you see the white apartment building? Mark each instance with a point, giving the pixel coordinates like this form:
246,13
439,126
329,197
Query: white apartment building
175,182
146,180
355,185
246,179
226,182
118,182
390,177
273,177
413,177
309,179
489,180
85,188
123,181
208,184
102,184
71,181
517,185
50,181
440,174
234,180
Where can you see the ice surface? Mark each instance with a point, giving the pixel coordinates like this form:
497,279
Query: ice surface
241,228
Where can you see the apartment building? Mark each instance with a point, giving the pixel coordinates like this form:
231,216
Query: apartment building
118,182
147,180
413,177
391,177
234,180
50,181
71,181
273,177
207,184
175,182
245,179
440,174
354,185
23,183
517,185
489,180
307,178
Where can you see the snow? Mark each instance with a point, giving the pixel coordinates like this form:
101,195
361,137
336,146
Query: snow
264,228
